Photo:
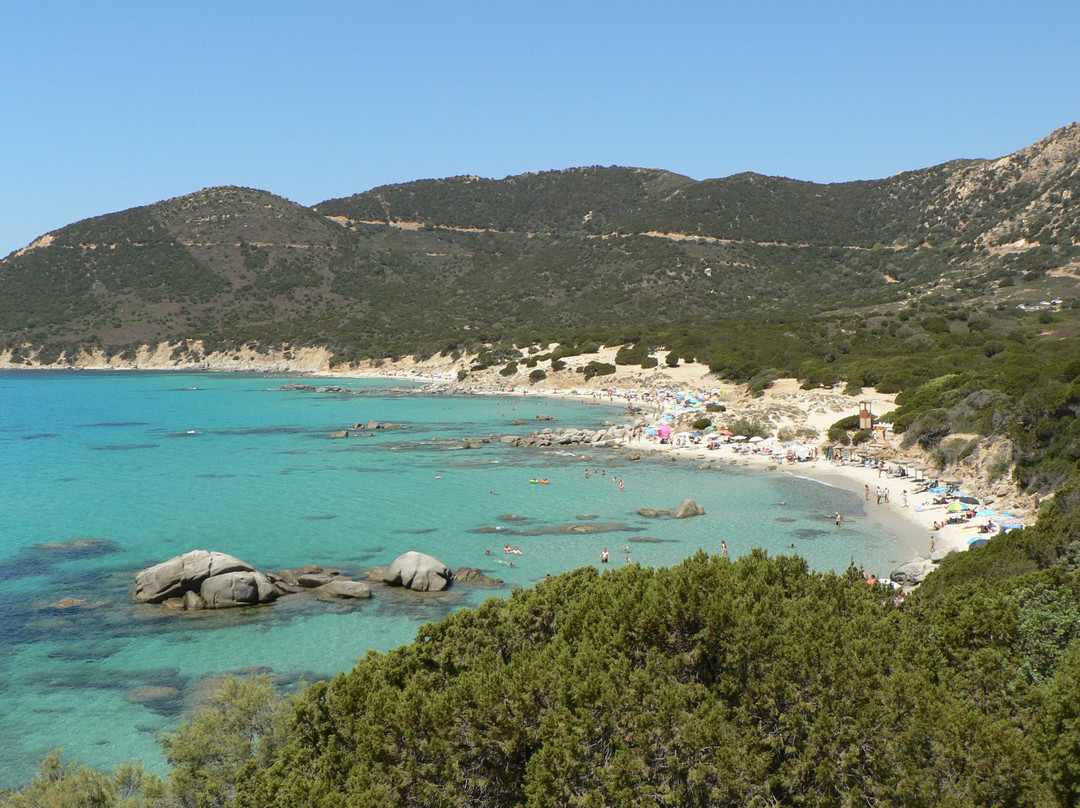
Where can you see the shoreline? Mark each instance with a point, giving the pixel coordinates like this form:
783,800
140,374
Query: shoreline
782,406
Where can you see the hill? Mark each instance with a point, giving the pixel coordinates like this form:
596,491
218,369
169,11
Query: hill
463,262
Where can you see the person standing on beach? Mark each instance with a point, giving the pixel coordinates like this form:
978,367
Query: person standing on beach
867,492
839,518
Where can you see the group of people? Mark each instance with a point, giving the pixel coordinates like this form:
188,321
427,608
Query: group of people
603,473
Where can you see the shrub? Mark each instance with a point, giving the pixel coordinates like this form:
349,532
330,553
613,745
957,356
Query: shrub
744,426
537,375
650,362
510,369
461,374
672,360
839,435
862,436
702,423
595,368
715,408
557,364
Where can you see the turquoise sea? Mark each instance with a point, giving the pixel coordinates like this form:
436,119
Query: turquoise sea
103,474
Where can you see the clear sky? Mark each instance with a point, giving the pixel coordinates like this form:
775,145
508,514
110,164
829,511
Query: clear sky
112,104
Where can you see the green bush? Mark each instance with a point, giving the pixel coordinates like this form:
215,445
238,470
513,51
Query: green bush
595,368
510,369
862,436
838,434
650,362
537,375
702,423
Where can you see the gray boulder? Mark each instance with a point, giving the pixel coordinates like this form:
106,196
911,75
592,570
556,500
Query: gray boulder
172,578
473,575
345,590
312,580
419,572
237,589
911,573
688,508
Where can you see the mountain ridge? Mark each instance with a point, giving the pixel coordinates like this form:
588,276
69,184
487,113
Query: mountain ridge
427,265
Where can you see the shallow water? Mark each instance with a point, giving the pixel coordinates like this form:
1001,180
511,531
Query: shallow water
103,474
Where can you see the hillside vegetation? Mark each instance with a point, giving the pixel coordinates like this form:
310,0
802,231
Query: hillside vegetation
465,262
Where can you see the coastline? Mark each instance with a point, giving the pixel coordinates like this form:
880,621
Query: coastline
783,406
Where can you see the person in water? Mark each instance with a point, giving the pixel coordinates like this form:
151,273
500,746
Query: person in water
605,556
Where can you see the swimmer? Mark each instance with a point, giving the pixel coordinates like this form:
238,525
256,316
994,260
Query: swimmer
438,476
506,548
605,556
487,551
723,548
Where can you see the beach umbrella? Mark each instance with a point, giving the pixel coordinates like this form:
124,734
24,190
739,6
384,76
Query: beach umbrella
756,439
956,506
976,541
738,437
969,500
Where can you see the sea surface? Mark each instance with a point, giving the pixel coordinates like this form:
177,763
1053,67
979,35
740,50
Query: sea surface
105,473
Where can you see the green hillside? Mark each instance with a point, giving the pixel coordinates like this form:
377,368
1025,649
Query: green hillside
462,262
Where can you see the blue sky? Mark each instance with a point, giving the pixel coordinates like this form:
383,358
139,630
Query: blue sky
109,105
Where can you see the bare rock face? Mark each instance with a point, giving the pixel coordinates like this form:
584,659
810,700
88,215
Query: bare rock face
183,573
419,572
687,509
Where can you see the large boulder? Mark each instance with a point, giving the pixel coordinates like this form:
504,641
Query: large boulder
688,508
237,589
911,573
183,573
420,572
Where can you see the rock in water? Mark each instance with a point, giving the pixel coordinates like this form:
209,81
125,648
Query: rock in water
473,575
172,578
237,589
420,572
687,509
355,590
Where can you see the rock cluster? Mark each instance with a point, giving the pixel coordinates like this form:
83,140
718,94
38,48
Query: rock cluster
686,509
204,579
570,436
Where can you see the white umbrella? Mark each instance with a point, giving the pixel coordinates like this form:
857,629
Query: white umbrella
756,439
